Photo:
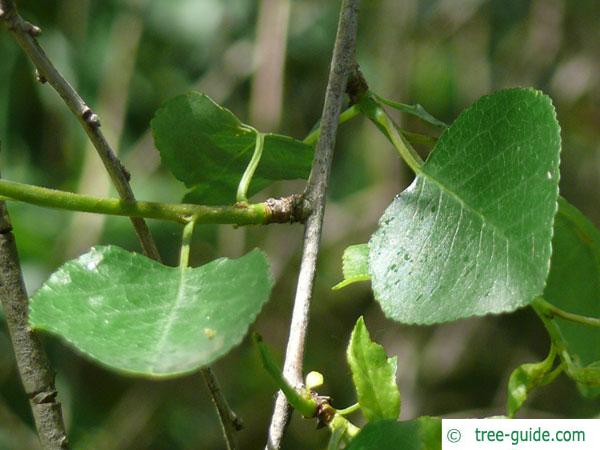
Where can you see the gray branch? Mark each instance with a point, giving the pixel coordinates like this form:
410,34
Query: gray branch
342,62
36,374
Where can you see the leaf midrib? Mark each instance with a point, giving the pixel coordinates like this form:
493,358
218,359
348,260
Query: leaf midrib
171,316
362,353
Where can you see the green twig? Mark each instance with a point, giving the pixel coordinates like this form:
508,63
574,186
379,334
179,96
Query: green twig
271,211
550,310
305,405
242,192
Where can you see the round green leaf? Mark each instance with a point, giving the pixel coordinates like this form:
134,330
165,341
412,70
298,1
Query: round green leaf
208,148
472,234
136,315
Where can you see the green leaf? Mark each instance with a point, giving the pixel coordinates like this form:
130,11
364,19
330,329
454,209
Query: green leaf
355,265
472,234
136,315
524,379
208,148
374,375
424,433
574,282
416,110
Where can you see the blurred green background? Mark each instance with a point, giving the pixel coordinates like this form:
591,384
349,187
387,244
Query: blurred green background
268,62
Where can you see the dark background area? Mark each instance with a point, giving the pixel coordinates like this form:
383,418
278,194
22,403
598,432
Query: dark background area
127,57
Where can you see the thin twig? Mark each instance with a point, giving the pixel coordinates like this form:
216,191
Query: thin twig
342,62
24,33
36,374
230,422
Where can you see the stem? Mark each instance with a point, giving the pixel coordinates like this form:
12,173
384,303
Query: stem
345,116
24,33
348,410
283,210
408,154
551,310
306,406
555,336
186,239
242,192
342,62
36,373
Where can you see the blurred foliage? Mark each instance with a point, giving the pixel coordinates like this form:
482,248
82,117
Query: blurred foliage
443,54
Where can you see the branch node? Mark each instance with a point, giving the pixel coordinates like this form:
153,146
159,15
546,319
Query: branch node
39,77
237,422
31,29
90,117
325,412
44,397
356,86
286,209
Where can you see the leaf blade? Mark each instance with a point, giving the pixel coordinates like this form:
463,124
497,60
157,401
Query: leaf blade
137,316
424,433
374,375
574,284
355,265
208,148
472,234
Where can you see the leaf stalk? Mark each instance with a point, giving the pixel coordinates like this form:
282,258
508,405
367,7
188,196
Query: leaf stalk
242,192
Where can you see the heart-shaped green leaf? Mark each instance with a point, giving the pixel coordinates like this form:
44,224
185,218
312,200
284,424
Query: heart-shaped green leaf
472,234
138,316
424,433
208,148
374,375
574,283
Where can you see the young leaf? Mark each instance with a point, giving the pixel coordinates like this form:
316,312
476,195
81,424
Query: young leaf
355,265
135,315
424,433
524,379
574,282
472,234
208,148
374,375
416,110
